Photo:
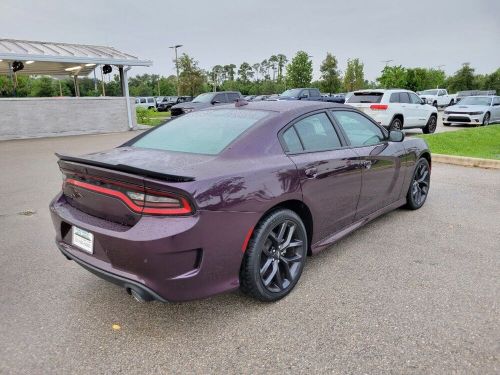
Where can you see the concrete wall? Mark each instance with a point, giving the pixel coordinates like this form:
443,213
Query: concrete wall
51,117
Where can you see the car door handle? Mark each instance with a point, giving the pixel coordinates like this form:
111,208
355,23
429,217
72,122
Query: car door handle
311,172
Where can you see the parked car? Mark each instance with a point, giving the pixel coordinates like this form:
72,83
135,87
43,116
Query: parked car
147,102
233,196
305,94
473,110
158,100
438,97
396,109
169,101
204,101
464,94
259,98
273,97
249,98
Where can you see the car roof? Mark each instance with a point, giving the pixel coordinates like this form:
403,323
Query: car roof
381,90
284,106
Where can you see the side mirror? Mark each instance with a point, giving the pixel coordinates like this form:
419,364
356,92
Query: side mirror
422,101
396,136
215,102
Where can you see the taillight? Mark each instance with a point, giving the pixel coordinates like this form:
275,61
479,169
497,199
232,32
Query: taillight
143,201
379,107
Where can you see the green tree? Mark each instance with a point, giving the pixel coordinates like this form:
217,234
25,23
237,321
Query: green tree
191,78
299,71
273,64
245,72
42,87
354,77
282,61
393,77
463,79
230,71
329,74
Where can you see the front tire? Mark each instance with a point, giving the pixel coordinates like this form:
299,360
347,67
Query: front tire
486,119
275,256
435,104
419,185
431,125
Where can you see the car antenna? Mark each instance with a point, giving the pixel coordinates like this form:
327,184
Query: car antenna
240,102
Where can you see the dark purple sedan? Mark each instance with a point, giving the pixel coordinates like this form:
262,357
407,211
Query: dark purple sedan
233,197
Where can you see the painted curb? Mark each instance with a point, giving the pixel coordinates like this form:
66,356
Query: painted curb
466,161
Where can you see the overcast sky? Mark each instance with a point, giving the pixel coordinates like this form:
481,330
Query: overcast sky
412,33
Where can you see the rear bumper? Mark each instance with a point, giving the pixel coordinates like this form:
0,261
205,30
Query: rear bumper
143,290
168,258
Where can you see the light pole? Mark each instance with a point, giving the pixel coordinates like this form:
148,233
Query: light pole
176,64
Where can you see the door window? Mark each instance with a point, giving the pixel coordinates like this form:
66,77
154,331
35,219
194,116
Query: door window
304,94
404,97
316,133
359,130
414,98
232,96
221,98
143,100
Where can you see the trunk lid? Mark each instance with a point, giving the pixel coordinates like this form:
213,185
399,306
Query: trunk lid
98,183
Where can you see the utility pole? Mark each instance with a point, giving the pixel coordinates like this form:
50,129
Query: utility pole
387,61
176,64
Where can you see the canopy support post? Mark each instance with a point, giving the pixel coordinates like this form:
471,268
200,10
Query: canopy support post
125,93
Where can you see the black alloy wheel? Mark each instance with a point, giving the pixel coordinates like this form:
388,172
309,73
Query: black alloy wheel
396,124
419,186
275,256
431,125
486,119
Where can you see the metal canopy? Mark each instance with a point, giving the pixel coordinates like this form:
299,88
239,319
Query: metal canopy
61,58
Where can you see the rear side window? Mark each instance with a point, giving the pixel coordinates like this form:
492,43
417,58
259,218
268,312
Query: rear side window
394,97
143,100
359,130
316,133
292,141
204,132
151,100
366,97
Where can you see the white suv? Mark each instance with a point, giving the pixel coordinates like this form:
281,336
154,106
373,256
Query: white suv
396,109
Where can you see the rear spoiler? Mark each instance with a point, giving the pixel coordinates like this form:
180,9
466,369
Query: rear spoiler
125,168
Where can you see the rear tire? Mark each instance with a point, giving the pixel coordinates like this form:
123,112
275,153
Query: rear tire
396,124
419,185
431,125
275,256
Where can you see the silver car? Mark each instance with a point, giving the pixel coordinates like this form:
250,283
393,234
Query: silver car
473,110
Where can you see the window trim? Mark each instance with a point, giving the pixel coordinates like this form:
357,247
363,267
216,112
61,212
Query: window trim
385,133
343,143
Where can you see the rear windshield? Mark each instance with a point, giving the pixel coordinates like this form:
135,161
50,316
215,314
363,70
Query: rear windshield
366,97
203,132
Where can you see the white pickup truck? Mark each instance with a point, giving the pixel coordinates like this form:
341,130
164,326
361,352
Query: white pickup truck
438,97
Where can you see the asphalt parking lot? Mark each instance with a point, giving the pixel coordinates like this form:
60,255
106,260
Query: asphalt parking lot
412,292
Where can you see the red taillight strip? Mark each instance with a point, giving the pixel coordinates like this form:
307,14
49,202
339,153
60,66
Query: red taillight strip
185,209
379,107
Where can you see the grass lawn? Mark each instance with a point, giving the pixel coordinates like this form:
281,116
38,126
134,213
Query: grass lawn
481,142
158,114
